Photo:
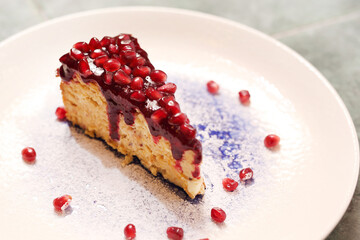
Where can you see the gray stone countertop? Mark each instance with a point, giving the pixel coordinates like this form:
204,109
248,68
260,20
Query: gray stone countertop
325,32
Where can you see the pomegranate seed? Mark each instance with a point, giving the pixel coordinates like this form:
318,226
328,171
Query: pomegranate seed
230,184
126,69
130,54
82,46
169,88
246,174
271,141
76,54
188,131
64,58
28,154
108,78
152,94
113,49
172,107
61,203
94,44
122,78
142,71
178,119
158,76
175,233
99,61
105,41
125,43
130,231
218,215
137,83
165,100
112,65
84,68
158,115
212,87
138,96
97,53
244,96
138,61
128,48
122,37
60,113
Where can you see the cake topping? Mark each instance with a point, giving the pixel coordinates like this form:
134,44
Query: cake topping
130,83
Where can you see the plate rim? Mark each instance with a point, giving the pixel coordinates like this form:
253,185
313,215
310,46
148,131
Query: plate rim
192,13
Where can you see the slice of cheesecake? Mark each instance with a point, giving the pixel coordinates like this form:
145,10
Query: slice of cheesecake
112,91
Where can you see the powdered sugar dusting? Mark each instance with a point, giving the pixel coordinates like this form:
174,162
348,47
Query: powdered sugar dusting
106,196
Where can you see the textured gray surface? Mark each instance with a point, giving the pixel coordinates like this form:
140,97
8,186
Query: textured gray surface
325,32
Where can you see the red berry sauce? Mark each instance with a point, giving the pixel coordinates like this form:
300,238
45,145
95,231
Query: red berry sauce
28,154
60,113
271,141
128,82
246,174
130,231
175,233
218,215
61,203
230,184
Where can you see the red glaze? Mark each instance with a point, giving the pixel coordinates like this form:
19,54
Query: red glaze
116,78
130,231
229,184
28,154
271,141
175,233
61,203
218,215
246,174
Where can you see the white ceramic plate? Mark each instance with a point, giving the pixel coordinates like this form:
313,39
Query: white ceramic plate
300,191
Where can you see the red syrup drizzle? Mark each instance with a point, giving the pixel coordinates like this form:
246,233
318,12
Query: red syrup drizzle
130,54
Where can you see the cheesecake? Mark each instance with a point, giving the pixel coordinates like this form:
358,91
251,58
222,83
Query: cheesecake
111,90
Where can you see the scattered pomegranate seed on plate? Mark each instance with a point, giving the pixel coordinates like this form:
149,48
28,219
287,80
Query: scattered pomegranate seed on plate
60,113
28,154
229,184
130,231
271,141
212,87
61,203
218,215
246,174
175,233
244,96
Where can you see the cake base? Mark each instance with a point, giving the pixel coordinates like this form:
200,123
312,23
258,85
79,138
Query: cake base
87,108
